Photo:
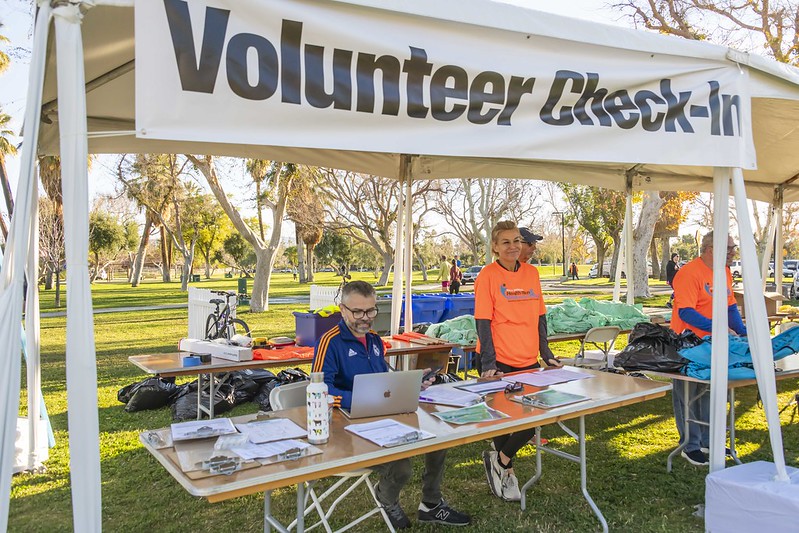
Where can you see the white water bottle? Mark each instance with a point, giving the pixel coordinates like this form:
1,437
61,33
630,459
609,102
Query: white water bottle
318,418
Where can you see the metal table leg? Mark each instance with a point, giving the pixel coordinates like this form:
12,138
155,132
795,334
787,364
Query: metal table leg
686,418
580,438
731,428
272,522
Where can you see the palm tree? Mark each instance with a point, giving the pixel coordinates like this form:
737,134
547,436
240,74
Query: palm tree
7,148
5,61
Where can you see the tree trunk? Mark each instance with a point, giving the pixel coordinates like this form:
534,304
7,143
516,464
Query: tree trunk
141,254
388,261
58,288
185,276
642,237
48,279
665,256
93,277
614,260
309,263
600,259
6,188
300,256
653,253
422,266
166,265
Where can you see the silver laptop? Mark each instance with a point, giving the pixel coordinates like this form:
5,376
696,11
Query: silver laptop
385,393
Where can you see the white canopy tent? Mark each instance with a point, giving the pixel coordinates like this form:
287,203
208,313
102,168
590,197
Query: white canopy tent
470,88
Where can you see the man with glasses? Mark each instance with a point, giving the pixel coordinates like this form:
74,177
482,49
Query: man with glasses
352,348
693,310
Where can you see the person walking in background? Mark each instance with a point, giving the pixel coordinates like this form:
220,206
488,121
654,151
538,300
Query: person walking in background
512,334
443,274
693,310
573,271
671,270
455,278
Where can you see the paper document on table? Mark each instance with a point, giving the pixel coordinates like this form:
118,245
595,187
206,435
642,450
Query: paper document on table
260,431
202,429
545,378
483,387
445,395
470,415
268,450
388,433
549,399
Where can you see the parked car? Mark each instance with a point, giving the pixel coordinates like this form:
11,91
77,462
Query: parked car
789,267
736,269
470,274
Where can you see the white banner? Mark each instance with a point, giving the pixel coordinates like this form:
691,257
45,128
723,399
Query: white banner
336,76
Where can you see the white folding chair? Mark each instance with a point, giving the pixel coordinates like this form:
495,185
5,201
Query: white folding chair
293,395
603,339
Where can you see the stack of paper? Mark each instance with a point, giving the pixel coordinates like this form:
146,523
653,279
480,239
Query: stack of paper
444,395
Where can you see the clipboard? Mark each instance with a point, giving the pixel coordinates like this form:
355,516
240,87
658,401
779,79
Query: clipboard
549,399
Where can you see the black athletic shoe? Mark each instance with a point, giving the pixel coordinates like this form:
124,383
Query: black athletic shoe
443,514
695,457
397,516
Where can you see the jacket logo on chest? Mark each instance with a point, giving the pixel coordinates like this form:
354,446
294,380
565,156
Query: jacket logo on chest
352,353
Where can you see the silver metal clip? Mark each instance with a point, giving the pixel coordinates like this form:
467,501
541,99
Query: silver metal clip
292,454
155,439
407,438
222,464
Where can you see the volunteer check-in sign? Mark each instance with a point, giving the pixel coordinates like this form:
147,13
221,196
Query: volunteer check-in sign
337,76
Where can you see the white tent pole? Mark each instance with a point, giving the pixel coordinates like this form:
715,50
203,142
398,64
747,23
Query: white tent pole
779,242
396,288
408,228
32,337
720,346
757,327
620,259
11,276
84,432
772,228
628,247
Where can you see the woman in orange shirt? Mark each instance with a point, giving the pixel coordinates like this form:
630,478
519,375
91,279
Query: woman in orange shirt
512,333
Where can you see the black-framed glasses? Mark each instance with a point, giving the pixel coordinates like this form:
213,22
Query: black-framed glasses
360,313
516,386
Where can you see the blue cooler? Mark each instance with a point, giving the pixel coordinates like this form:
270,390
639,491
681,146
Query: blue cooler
425,308
310,327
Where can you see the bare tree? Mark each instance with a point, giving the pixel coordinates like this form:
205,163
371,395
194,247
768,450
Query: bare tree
51,242
365,208
642,236
770,24
275,188
472,206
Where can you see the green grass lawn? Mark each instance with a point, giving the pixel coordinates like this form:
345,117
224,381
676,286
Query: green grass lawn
627,447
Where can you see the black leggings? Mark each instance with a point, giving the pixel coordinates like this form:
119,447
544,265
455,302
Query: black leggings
512,443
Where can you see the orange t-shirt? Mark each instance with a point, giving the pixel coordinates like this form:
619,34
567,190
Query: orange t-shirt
513,302
693,287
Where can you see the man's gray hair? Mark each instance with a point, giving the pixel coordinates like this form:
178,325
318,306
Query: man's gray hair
707,242
363,288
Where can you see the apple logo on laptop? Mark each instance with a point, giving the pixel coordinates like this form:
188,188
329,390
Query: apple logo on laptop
387,394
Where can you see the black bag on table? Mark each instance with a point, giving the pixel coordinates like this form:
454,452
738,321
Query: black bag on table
652,347
150,393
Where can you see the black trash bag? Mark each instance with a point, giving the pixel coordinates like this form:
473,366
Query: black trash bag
258,375
151,393
651,347
289,375
244,388
688,339
185,407
292,375
262,397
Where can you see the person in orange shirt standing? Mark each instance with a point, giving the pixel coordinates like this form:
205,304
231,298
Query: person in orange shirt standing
512,333
693,310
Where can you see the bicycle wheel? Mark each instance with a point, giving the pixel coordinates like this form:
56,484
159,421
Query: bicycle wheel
211,327
237,325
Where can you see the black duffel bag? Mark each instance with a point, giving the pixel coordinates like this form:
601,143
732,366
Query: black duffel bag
651,347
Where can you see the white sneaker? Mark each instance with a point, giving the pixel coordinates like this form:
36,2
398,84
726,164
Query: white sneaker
493,472
510,487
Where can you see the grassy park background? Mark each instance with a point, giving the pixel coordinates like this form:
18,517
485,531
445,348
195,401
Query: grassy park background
627,447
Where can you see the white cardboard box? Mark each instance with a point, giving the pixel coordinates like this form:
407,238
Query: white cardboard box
745,498
223,351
